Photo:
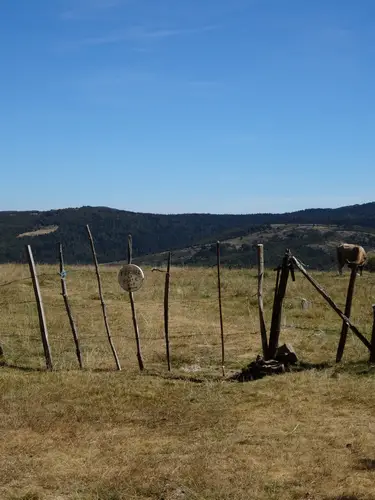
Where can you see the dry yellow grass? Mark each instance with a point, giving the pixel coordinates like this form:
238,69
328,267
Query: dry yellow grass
100,434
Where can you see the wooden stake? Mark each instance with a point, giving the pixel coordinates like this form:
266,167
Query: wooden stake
348,307
166,310
39,303
372,355
134,316
2,358
263,330
277,308
325,295
67,306
104,309
220,308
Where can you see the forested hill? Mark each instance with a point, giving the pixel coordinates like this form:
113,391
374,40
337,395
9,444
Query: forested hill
152,233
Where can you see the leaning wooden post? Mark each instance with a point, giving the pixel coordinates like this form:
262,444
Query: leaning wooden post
277,308
372,354
67,306
104,309
134,316
263,330
166,310
348,307
325,295
220,308
39,303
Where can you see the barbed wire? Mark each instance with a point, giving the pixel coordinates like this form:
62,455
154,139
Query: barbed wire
239,335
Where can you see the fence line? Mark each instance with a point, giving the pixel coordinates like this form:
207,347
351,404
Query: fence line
212,337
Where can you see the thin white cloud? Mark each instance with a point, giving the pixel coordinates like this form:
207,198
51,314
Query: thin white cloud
140,34
84,8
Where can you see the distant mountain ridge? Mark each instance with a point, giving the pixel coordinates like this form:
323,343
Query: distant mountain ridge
155,233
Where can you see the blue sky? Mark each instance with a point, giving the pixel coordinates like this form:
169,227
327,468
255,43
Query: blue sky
221,106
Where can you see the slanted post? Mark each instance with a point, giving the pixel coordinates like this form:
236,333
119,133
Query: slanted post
334,306
372,355
278,306
348,307
104,309
263,330
39,303
67,306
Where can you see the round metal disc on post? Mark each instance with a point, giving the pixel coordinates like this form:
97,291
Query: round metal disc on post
131,277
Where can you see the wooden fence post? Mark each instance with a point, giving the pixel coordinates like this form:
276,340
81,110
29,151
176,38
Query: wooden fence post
104,309
348,307
325,295
67,306
134,316
166,310
372,354
263,330
39,303
277,307
220,308
2,357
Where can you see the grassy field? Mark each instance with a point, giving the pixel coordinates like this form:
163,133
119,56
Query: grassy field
100,434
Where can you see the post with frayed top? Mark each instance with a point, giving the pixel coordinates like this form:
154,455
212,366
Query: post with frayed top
280,291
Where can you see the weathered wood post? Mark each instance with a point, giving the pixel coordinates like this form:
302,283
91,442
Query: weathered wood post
67,306
39,303
2,358
104,309
220,308
278,306
166,310
334,306
348,307
372,354
263,330
134,316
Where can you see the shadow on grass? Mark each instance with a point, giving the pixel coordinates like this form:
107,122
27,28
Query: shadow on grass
349,497
185,378
255,371
366,464
21,368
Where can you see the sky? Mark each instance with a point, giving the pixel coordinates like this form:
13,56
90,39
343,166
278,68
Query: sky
175,106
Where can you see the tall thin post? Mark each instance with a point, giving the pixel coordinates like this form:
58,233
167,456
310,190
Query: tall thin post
277,308
372,354
220,308
2,358
104,309
134,316
166,309
263,330
348,308
39,303
67,306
